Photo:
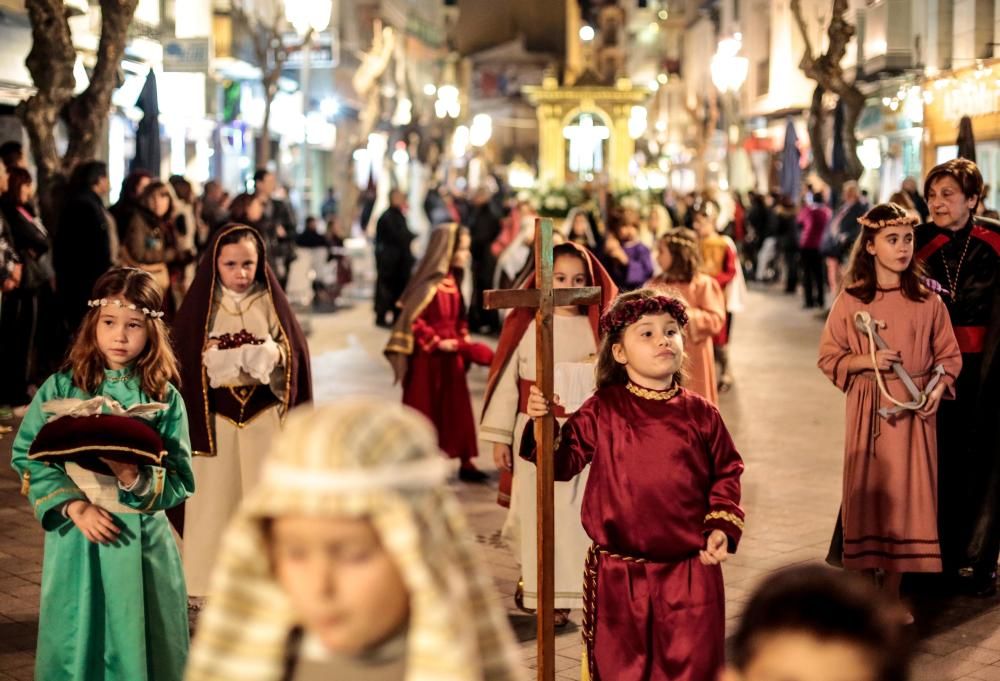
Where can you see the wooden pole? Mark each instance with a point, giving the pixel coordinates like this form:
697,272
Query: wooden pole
545,436
544,299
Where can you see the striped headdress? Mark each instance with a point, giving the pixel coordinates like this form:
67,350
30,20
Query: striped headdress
358,458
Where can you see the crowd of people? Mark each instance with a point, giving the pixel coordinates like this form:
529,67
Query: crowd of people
161,227
323,539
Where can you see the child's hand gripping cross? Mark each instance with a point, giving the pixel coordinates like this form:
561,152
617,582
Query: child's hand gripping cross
538,406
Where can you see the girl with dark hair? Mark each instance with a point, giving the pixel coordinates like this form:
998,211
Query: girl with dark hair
113,599
889,508
679,256
245,364
661,504
507,426
28,316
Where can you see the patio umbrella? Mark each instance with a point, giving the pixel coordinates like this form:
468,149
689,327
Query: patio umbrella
791,173
147,133
966,140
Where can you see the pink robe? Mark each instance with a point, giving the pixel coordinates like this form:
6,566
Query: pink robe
889,509
706,310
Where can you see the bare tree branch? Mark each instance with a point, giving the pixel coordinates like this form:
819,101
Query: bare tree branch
51,64
828,73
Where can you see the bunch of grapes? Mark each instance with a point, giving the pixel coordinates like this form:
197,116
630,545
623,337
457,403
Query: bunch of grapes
228,341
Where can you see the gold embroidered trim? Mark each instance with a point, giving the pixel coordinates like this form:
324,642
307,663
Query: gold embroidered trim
727,516
26,483
158,482
244,424
647,394
155,458
61,490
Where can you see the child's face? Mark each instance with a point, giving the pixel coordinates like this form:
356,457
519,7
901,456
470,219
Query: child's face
460,259
237,264
342,583
703,225
652,350
568,272
627,233
580,225
663,257
799,656
892,248
121,334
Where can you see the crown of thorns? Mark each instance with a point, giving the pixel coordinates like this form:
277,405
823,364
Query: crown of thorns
900,221
621,316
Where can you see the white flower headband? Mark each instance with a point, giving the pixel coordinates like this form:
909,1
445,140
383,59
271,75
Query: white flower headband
104,302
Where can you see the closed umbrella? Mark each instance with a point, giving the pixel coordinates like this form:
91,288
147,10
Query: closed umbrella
147,133
791,173
966,140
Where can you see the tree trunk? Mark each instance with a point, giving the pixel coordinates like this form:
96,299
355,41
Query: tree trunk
826,70
51,62
264,145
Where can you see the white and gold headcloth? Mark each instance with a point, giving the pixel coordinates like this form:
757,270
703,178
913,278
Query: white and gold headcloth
358,458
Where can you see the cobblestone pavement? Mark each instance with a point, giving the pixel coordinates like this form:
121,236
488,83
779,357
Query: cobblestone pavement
785,418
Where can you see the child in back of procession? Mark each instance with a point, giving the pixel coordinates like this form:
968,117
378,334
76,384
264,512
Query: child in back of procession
351,561
244,364
661,504
113,599
504,423
430,348
889,508
720,261
679,256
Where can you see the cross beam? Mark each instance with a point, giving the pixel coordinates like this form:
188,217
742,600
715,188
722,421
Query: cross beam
544,300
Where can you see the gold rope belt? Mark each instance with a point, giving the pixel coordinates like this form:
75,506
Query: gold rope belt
589,624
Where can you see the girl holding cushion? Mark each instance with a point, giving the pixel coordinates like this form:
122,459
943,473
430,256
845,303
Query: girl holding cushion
113,596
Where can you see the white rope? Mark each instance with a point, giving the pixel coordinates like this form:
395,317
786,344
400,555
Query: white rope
868,322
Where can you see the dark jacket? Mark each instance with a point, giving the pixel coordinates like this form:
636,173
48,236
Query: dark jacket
32,244
392,244
82,249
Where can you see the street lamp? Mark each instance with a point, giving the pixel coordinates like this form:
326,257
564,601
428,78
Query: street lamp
307,17
729,72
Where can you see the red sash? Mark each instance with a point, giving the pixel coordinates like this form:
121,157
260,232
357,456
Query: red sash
971,339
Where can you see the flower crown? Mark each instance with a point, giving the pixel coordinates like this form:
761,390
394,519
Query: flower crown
681,241
901,221
621,316
104,302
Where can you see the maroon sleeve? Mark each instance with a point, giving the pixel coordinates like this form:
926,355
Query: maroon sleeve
724,512
575,442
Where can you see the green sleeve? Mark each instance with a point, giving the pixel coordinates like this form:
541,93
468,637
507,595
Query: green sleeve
47,485
173,482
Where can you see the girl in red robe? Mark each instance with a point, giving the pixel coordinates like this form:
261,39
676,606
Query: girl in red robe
430,348
661,504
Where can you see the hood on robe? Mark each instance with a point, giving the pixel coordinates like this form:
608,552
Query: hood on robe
190,330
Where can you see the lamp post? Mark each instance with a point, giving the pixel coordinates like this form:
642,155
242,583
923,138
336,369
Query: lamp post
729,72
307,17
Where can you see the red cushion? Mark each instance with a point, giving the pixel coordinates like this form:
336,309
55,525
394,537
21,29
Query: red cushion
85,439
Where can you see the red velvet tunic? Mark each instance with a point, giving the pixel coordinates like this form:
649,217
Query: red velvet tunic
664,473
435,382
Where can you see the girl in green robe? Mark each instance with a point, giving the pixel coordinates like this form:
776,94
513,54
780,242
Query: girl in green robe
113,601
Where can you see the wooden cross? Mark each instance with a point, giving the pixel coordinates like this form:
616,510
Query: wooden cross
544,300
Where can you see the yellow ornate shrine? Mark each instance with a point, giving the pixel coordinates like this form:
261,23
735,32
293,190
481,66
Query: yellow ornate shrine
559,106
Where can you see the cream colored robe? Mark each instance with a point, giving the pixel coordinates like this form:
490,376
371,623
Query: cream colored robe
224,479
574,342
